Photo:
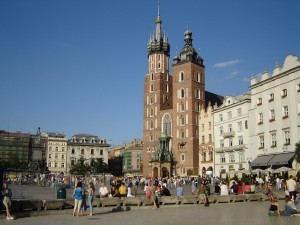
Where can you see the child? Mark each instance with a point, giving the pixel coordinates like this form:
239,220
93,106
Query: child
274,208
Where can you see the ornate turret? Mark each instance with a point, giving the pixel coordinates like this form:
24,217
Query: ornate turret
158,42
188,53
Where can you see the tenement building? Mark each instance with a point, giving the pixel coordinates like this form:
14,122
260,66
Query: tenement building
231,135
274,117
171,107
56,152
88,147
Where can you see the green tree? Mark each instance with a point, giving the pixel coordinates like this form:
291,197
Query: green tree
98,166
81,167
297,152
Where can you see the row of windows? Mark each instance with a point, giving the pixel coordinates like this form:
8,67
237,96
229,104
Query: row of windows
283,94
232,158
57,149
56,165
82,152
230,142
196,77
229,114
159,62
84,141
230,129
273,138
165,88
272,115
209,139
56,156
209,126
207,156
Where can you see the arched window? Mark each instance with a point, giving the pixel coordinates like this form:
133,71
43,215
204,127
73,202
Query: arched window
151,112
182,93
181,76
198,77
181,106
182,134
182,121
151,88
151,124
167,124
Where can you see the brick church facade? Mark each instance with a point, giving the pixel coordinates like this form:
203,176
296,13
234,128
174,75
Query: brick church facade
171,107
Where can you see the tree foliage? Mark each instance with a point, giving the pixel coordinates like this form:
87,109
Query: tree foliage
81,167
98,166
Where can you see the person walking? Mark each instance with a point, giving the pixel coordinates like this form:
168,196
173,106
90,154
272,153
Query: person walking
78,194
6,193
291,187
91,191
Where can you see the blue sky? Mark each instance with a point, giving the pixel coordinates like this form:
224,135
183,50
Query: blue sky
77,66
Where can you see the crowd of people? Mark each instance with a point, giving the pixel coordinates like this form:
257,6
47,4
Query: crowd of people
153,188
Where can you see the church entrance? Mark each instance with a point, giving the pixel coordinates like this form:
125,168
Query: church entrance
155,172
165,172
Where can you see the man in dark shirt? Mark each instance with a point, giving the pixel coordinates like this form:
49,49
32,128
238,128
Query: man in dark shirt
165,191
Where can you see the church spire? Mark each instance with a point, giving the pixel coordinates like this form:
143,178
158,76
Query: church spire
158,25
160,43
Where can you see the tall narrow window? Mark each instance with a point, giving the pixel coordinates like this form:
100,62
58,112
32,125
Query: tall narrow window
285,111
182,93
272,115
287,139
181,76
273,140
261,141
260,118
284,93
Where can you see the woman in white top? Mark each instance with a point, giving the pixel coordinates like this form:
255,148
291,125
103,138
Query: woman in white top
223,189
129,191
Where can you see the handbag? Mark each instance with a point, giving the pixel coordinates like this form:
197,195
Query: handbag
148,195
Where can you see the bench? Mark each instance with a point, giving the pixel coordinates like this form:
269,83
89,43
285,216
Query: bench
240,198
254,197
53,204
190,199
132,201
212,199
169,200
31,205
68,204
224,199
146,201
114,201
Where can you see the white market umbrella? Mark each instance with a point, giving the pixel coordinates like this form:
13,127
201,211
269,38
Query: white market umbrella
282,169
269,170
256,171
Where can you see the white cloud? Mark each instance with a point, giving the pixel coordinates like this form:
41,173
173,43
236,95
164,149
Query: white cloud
232,74
227,63
246,79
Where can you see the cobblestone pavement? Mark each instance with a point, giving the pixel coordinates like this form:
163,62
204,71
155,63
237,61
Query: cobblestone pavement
250,213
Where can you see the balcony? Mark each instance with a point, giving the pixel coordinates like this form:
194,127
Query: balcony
231,148
229,134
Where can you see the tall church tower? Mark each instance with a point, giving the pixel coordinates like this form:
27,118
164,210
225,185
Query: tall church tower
171,108
188,98
157,92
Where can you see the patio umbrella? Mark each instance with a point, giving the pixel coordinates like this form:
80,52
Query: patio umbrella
282,169
256,171
268,170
